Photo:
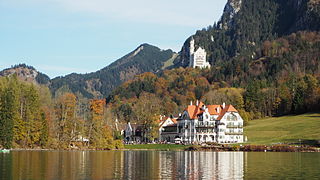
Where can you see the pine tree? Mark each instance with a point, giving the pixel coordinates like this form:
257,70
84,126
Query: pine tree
7,117
44,132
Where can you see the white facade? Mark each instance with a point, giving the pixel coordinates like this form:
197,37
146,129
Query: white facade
133,133
217,124
165,123
198,58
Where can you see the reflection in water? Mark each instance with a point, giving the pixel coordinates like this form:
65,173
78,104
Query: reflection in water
202,165
121,165
157,165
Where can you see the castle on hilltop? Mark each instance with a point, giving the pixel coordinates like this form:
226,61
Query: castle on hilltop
198,58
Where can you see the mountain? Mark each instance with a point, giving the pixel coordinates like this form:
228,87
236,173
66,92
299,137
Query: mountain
26,73
146,58
248,36
265,57
246,24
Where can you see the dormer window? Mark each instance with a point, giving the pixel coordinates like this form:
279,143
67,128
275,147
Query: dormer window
232,117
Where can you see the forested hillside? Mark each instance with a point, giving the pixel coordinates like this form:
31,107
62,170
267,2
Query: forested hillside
265,58
284,80
145,58
246,24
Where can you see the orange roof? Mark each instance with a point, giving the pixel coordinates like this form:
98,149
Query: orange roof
194,110
213,109
200,104
191,109
228,108
174,120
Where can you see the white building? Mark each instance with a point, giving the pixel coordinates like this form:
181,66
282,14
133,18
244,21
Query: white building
166,122
198,58
134,133
213,123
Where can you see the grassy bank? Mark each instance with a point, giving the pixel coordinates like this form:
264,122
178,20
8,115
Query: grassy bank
170,147
286,129
300,129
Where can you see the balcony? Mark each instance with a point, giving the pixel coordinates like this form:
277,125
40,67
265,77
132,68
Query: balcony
233,133
234,126
209,124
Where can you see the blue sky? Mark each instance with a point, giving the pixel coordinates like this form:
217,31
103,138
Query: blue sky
59,37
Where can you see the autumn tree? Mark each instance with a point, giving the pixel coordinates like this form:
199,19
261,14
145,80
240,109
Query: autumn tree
66,121
147,111
99,134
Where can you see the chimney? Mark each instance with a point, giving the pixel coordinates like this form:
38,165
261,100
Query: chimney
197,102
223,105
218,110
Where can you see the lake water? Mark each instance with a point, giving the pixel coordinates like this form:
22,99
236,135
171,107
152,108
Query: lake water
68,165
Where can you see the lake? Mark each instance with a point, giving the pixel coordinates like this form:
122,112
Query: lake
96,165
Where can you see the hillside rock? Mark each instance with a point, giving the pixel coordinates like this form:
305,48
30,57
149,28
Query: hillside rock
230,10
26,73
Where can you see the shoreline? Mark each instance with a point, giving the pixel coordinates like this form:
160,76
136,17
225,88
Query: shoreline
221,148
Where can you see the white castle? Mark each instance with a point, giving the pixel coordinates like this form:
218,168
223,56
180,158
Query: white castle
198,58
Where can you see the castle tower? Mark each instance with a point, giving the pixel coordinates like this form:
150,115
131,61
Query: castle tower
191,56
192,46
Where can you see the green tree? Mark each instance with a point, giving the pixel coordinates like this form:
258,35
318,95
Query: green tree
7,115
44,132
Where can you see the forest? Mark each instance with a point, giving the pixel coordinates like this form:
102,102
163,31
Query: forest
255,23
283,79
265,61
32,118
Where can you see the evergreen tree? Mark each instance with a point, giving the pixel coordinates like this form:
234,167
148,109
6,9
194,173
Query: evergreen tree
7,114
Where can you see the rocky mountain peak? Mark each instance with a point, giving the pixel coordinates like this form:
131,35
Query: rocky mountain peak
233,7
230,10
26,73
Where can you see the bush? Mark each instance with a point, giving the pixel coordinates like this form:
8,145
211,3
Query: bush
118,144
